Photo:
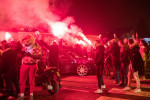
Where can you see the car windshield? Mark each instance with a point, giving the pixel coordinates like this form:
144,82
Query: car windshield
69,55
74,55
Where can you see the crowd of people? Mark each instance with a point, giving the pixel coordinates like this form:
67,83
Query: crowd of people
125,58
129,58
18,61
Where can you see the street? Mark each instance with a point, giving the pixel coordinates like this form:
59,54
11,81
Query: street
83,87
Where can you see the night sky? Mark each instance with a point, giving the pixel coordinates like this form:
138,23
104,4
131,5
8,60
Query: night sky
102,16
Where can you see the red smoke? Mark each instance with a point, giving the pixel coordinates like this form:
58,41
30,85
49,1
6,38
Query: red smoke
32,13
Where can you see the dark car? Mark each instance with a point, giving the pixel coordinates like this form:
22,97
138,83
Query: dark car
70,62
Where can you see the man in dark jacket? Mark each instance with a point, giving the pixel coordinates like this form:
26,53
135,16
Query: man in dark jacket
124,60
99,61
10,69
53,54
115,55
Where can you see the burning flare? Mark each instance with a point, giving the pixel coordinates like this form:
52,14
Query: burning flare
7,36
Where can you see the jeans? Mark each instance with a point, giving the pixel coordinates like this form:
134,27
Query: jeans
26,70
117,68
100,75
11,81
124,72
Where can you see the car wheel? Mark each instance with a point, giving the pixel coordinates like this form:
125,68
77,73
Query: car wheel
82,70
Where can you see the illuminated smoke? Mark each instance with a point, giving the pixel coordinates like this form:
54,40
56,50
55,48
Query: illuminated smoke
59,29
81,42
32,13
84,38
7,36
26,13
67,30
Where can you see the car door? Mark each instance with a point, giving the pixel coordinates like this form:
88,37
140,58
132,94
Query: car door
66,64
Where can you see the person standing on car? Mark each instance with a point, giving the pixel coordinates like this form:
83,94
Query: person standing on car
32,52
99,61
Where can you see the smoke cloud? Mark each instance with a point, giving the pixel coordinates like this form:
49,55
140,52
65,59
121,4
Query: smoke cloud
32,13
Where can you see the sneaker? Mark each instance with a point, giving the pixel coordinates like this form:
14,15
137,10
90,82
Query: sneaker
10,98
103,87
127,88
142,78
137,90
120,84
31,97
20,97
98,91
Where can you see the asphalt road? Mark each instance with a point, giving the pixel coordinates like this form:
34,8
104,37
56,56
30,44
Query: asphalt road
83,87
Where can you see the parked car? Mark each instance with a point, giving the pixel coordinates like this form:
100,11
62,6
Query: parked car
70,62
